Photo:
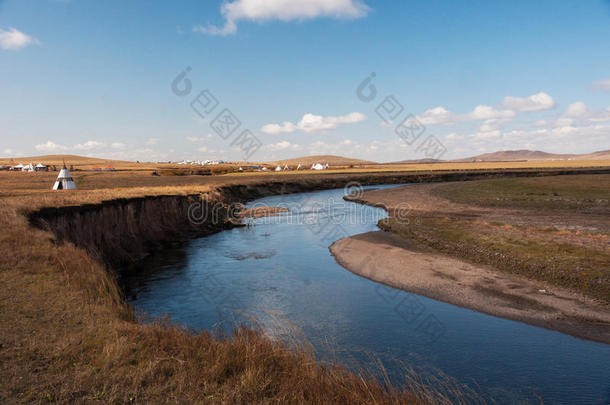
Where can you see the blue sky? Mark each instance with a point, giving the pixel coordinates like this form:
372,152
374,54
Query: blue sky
94,77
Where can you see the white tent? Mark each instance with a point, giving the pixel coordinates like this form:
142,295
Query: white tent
299,167
286,167
40,166
317,166
64,180
28,168
18,167
278,169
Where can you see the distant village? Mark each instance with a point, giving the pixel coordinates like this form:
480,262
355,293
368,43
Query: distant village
65,181
40,167
279,168
45,168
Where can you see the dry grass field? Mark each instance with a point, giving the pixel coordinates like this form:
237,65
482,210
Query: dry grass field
67,335
555,230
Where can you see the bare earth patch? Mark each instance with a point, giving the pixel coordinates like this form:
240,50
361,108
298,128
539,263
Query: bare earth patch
386,258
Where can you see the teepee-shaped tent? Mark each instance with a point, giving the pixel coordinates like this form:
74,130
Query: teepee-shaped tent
64,180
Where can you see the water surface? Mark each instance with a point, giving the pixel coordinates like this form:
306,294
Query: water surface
279,271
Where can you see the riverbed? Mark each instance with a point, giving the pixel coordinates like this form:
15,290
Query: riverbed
278,274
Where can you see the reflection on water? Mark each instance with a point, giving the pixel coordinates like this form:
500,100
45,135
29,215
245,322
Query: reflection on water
279,271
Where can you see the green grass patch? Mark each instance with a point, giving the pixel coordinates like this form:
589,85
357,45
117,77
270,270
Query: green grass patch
582,269
584,193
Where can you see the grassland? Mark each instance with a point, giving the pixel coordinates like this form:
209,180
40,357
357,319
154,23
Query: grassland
519,251
552,229
337,165
67,335
573,193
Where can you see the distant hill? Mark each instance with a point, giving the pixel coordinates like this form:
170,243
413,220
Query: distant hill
601,155
418,161
533,155
80,162
331,160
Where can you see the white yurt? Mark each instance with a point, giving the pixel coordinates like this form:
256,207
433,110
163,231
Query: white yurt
317,166
64,180
18,167
278,169
40,167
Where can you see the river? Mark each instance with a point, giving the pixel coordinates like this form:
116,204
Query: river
278,274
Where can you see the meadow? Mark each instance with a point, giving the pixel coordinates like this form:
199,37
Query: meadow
550,229
68,335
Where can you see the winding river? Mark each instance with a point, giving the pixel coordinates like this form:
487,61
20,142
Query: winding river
277,273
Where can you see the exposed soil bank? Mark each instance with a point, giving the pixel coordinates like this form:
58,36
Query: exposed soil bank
120,232
390,259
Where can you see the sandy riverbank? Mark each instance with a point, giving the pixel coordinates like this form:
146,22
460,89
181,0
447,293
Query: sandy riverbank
390,259
485,272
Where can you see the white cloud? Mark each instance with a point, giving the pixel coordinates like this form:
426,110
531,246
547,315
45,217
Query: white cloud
152,141
576,110
313,123
564,122
8,151
541,123
601,116
282,146
440,115
282,10
285,127
437,115
454,137
488,134
536,102
50,146
196,139
14,39
485,112
89,145
601,85
489,125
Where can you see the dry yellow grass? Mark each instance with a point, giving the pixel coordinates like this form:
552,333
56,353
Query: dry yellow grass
67,336
343,165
